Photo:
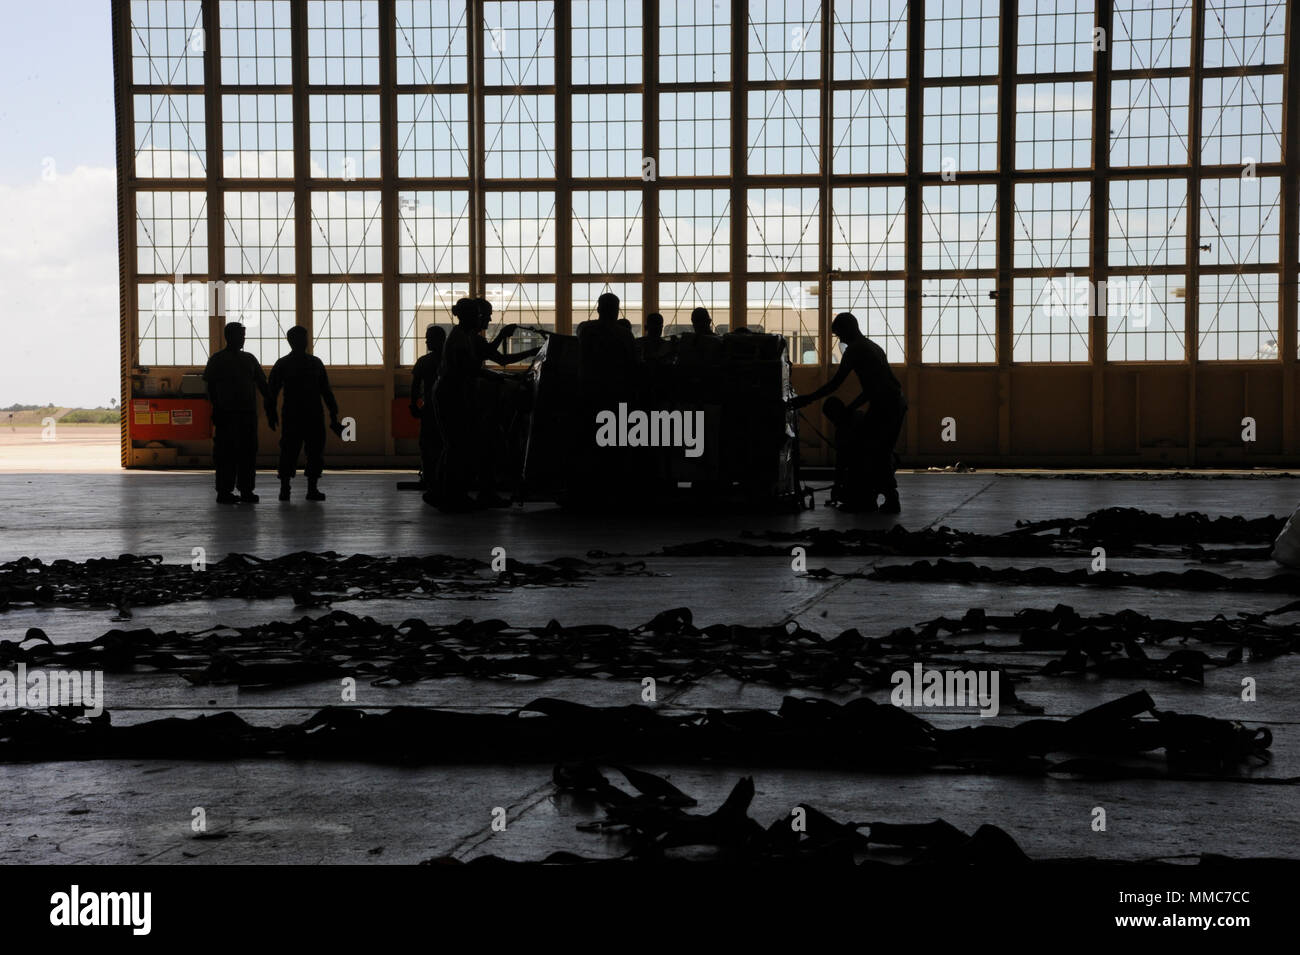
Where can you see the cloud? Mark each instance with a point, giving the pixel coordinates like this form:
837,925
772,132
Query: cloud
58,289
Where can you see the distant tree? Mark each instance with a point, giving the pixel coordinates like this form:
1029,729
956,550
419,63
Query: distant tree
91,416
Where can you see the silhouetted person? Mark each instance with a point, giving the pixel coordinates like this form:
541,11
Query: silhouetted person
305,384
607,355
657,355
453,401
699,354
886,406
234,380
652,346
488,429
701,321
423,377
701,345
609,374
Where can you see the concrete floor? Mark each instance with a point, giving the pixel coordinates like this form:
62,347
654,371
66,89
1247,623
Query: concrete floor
281,811
79,448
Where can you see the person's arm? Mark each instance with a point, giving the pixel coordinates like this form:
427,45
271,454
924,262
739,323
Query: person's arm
260,378
497,358
494,353
502,358
417,389
271,393
207,385
327,393
841,373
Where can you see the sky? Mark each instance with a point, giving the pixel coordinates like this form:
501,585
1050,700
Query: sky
58,221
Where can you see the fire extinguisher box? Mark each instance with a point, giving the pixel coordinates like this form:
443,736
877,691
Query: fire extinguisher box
171,419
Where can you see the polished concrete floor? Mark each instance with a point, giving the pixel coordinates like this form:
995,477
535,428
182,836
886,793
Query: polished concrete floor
293,811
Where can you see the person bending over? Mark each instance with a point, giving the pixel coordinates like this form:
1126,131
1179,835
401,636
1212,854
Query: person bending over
886,407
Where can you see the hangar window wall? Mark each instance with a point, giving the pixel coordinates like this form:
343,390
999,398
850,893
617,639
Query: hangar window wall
982,182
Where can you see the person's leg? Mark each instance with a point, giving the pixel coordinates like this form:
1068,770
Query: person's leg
840,489
433,450
486,438
864,478
460,469
441,477
290,445
860,492
479,426
246,467
873,452
430,448
223,456
457,455
887,437
314,437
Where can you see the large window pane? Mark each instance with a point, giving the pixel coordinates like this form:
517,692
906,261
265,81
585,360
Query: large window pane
349,322
958,324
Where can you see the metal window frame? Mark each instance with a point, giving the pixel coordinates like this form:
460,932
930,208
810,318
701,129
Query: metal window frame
739,183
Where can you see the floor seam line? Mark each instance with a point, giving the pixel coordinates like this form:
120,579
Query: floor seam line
870,565
947,514
528,803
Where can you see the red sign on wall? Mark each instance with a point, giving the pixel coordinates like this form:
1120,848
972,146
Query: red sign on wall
405,425
171,419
